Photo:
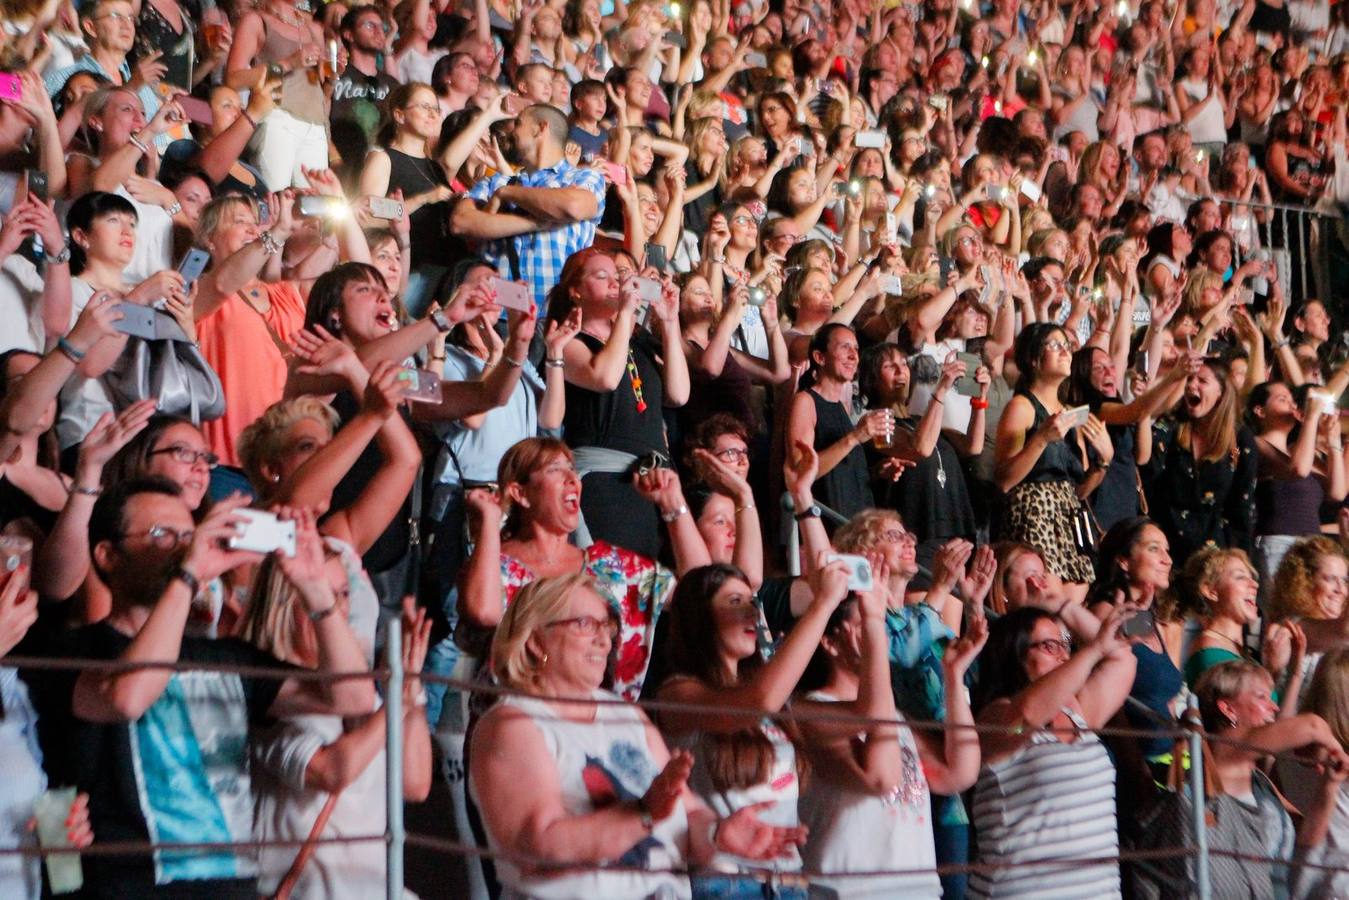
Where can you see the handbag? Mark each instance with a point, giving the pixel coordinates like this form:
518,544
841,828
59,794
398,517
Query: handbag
170,370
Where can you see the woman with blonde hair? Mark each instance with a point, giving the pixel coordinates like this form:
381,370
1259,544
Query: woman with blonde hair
1227,584
603,786
750,169
304,761
1311,587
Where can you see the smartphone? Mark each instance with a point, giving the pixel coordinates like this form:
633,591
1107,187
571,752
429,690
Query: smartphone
996,192
756,60
196,110
648,289
514,104
264,212
420,386
1058,153
137,321
616,173
1030,190
36,182
938,102
859,570
1325,402
11,88
263,532
322,207
675,39
966,385
757,296
892,285
193,264
1142,364
511,295
655,256
869,139
1140,624
1077,416
385,208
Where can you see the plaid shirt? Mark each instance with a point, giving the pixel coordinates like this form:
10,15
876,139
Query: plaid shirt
541,254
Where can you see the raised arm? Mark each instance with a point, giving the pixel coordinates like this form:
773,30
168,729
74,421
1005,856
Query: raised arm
772,684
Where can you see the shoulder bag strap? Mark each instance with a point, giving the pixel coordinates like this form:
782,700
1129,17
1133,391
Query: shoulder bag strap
283,890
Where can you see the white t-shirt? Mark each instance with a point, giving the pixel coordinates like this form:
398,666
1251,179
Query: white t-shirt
21,306
83,400
416,66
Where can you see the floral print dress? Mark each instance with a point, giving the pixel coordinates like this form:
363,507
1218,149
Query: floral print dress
636,587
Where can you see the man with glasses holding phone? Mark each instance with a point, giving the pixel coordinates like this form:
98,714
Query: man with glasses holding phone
164,754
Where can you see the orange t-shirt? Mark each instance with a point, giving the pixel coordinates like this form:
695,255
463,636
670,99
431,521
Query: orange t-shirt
237,343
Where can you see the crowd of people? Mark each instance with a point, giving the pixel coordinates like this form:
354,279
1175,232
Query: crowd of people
841,374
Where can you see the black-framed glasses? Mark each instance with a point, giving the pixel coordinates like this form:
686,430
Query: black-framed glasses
732,454
187,456
588,626
163,537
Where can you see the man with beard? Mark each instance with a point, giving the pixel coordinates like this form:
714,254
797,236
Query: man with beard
361,87
163,755
532,221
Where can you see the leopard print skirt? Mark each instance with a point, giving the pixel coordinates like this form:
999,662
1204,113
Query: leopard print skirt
1040,513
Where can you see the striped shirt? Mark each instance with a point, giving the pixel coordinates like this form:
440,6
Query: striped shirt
1048,801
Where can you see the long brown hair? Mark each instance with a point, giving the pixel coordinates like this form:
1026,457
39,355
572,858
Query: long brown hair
519,462
735,760
1218,429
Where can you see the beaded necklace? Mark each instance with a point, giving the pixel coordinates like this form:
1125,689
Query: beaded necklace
636,380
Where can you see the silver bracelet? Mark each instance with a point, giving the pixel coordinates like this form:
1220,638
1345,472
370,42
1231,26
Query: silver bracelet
669,517
270,245
555,363
513,363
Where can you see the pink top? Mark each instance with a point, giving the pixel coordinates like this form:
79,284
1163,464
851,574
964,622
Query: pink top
238,344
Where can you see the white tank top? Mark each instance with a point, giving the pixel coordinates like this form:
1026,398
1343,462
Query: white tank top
599,763
1208,126
854,831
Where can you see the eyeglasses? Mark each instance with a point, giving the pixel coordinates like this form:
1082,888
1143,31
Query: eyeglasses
588,626
116,17
1052,646
898,535
743,220
374,25
1057,346
424,107
732,454
163,537
189,457
792,239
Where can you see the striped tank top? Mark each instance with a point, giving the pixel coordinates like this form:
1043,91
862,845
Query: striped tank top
1049,801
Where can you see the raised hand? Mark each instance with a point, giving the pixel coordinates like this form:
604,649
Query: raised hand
663,796
560,334
960,654
109,435
742,834
386,389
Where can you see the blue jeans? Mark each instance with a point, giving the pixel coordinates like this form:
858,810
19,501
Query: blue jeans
742,887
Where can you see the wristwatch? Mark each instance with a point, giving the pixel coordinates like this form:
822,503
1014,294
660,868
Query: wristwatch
57,259
187,578
810,512
441,321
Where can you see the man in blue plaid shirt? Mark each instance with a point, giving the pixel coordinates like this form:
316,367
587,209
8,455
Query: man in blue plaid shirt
532,221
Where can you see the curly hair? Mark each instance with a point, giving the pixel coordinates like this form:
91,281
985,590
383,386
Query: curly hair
863,531
1203,570
1295,581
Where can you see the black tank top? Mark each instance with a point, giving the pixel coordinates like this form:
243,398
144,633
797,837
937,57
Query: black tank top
846,489
1060,460
417,175
612,419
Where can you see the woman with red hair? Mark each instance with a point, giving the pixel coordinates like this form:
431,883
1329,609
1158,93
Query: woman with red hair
620,376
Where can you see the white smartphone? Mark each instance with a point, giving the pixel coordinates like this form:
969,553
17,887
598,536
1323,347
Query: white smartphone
859,570
1030,190
263,532
870,139
386,208
1076,416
